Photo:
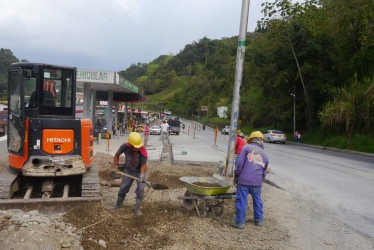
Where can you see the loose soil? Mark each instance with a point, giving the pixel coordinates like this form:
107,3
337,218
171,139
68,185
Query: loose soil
205,184
165,223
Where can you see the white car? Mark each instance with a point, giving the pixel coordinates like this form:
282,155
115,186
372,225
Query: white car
226,130
275,136
155,130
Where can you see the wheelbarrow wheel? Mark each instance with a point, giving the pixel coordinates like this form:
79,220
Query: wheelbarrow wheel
189,203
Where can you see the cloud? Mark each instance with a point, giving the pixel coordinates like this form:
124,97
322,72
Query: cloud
113,33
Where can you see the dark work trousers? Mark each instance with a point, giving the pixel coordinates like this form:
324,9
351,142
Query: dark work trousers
126,184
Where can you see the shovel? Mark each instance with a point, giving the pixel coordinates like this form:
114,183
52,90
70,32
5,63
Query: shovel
152,185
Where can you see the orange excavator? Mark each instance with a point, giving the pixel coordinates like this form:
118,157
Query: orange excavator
50,150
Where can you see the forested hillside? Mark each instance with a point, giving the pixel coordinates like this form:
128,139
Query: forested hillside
324,49
6,59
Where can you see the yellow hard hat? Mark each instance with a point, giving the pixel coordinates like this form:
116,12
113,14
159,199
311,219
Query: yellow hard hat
135,140
256,134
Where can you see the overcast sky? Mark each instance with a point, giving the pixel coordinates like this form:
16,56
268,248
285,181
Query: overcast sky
113,34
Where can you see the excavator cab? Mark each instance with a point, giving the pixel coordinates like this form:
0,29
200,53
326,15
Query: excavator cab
47,144
37,91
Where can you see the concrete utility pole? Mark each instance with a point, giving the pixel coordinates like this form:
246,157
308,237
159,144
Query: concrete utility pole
237,83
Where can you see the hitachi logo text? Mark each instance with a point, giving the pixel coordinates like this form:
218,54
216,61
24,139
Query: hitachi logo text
58,140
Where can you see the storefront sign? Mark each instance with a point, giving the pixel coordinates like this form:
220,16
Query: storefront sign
128,85
95,76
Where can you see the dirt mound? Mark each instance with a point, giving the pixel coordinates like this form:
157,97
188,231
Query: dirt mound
104,162
165,223
169,175
205,184
122,229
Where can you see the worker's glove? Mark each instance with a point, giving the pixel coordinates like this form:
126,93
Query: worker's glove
142,178
235,181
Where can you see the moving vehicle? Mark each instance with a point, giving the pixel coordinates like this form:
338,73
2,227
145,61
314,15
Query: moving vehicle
226,130
275,136
50,150
155,130
174,126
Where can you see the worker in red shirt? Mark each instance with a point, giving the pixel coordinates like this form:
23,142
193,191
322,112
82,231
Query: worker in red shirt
240,143
146,134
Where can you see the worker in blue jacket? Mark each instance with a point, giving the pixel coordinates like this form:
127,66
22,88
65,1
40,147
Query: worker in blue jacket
250,171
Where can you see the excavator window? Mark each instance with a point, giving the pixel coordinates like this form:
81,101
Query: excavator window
57,91
29,85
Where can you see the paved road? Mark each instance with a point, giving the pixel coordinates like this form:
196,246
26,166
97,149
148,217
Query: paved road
341,183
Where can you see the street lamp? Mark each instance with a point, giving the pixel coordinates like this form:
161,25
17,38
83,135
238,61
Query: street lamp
294,110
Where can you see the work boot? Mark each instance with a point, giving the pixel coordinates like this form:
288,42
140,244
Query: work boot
137,206
258,223
237,225
120,200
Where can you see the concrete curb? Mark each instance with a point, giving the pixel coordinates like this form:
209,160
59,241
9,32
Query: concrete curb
345,151
194,163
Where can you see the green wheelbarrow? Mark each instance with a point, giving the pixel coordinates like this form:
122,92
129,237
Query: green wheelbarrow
211,191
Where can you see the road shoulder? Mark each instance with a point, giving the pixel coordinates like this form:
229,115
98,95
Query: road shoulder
310,225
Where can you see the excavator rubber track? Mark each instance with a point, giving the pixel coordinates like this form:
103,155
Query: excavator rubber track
12,183
91,183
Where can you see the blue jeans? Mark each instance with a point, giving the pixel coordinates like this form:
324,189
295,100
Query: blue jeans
242,192
237,158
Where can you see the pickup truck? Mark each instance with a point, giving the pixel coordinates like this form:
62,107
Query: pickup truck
226,130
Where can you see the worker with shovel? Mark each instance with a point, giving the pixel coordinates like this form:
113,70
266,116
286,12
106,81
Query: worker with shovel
250,171
135,165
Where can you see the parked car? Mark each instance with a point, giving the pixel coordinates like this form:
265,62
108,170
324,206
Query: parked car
155,130
226,130
275,136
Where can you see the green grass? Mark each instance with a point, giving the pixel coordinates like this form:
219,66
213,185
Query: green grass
359,142
168,93
214,121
